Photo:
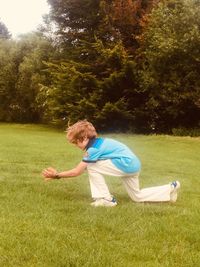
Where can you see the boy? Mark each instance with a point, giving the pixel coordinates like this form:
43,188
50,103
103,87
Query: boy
104,156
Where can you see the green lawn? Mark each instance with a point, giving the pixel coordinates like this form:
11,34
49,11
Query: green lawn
51,224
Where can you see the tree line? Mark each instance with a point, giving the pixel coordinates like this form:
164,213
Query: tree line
125,65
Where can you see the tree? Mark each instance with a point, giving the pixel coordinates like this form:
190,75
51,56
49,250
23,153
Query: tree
33,50
76,92
21,72
110,21
4,33
94,45
8,78
171,65
73,22
128,19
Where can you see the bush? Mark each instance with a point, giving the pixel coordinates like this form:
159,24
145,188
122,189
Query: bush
195,132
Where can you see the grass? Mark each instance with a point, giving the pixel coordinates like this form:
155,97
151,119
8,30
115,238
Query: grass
52,224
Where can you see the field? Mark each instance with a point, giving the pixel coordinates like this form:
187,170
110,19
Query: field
51,224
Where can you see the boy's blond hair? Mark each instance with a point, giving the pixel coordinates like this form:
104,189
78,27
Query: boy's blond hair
81,130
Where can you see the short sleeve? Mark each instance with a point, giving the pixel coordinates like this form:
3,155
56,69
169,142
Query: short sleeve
91,155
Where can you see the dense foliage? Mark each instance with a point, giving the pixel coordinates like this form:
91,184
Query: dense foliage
171,56
124,65
21,73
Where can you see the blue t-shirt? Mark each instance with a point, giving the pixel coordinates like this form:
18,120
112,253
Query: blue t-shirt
120,155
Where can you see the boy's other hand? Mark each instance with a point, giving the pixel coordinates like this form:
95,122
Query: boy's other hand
49,173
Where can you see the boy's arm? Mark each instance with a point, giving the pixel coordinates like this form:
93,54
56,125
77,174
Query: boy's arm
51,173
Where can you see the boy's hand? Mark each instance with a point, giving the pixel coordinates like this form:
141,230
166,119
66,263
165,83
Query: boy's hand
49,174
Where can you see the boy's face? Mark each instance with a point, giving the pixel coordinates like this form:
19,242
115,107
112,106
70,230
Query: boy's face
82,144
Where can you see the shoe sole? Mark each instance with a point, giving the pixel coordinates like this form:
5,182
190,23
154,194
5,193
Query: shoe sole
174,193
109,204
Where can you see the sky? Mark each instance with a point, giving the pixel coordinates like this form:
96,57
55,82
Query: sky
22,16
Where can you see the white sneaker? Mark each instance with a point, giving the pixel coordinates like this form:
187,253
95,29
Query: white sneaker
175,186
102,202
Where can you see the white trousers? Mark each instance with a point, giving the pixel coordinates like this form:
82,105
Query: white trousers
99,188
